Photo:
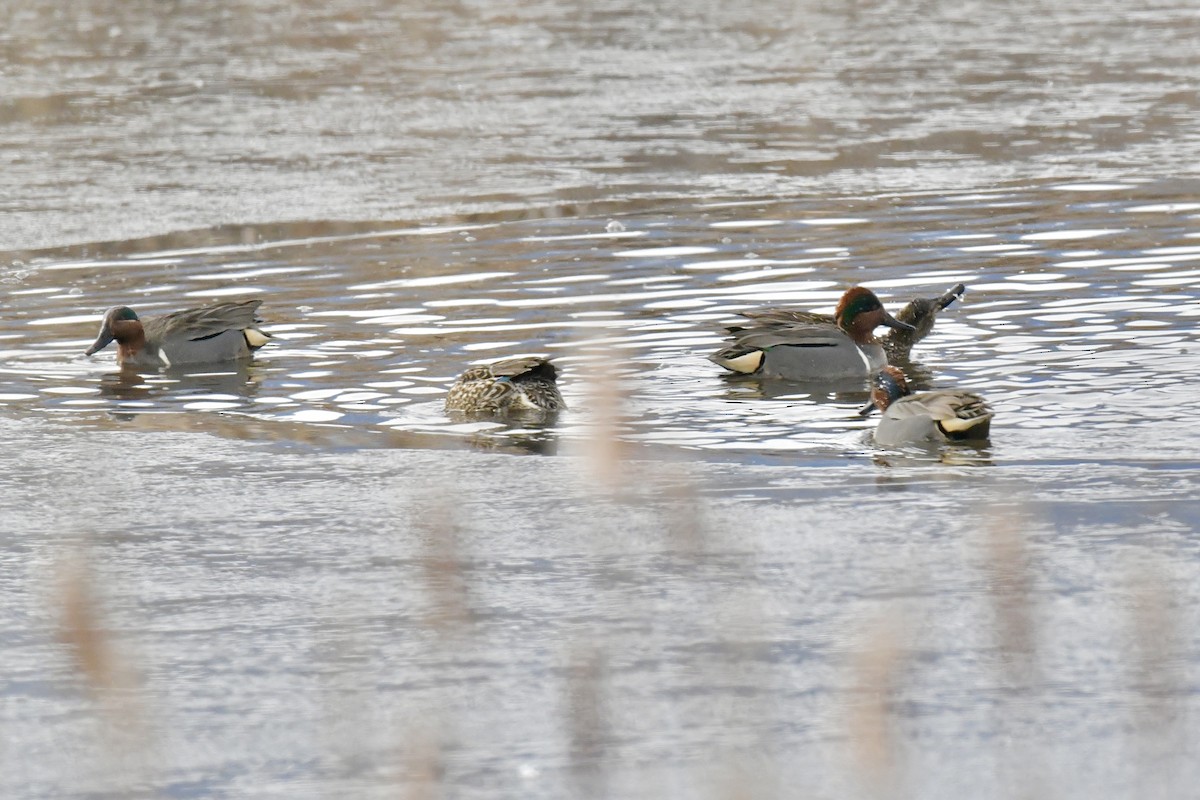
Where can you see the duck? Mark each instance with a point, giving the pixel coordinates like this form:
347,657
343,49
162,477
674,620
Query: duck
937,416
514,386
220,332
800,345
920,313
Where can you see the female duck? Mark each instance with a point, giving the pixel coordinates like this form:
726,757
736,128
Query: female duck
220,332
938,416
787,344
513,386
920,313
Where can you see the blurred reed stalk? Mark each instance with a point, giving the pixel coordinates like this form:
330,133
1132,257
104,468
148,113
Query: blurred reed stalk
588,726
80,630
1156,673
1010,576
876,669
685,527
1010,582
606,452
448,611
108,678
1155,640
424,770
448,616
749,770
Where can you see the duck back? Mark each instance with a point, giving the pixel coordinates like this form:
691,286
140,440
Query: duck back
935,417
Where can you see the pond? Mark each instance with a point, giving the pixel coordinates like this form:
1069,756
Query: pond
297,576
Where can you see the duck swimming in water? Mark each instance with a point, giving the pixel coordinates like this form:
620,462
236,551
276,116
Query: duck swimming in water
796,345
220,332
513,386
937,416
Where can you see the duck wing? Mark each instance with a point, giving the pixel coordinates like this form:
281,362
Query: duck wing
520,368
958,414
201,323
795,335
783,317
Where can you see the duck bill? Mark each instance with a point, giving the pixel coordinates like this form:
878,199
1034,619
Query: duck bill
892,322
102,341
867,410
955,293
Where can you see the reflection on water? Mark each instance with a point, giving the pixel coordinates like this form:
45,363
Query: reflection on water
1069,322
226,387
956,454
314,602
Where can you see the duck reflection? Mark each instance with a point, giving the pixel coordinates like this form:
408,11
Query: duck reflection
148,385
516,441
915,454
758,387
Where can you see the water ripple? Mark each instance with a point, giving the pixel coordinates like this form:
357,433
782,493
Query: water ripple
371,327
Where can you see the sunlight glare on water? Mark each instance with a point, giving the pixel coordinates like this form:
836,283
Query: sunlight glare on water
352,313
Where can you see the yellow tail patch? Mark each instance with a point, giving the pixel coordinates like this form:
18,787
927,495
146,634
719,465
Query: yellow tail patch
750,362
255,338
959,424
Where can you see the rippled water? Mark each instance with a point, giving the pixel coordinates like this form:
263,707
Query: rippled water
122,120
297,577
1079,318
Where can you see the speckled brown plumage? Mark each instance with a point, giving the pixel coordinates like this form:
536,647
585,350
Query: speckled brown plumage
513,386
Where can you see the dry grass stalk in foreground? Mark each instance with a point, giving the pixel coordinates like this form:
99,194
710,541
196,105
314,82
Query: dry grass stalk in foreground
425,772
448,614
81,630
606,451
587,720
449,606
877,669
1156,645
685,528
1010,582
126,743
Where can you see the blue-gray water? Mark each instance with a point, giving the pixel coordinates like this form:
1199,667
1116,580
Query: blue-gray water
298,578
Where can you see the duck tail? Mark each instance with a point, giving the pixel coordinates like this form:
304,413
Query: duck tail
255,337
739,359
972,420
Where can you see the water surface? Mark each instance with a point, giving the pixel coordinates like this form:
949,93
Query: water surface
298,577
1078,318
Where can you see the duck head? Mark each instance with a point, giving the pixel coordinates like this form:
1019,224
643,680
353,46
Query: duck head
922,311
119,323
544,370
860,312
888,386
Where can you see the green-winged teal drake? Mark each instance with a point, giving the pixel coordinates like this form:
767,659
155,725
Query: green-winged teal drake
220,332
937,416
513,386
798,345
